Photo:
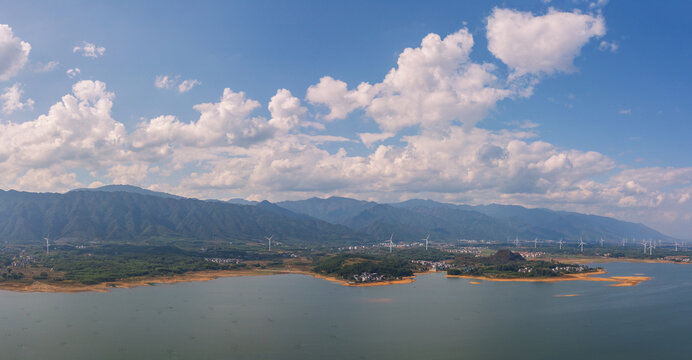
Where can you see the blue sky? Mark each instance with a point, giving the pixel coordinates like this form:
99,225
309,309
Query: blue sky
603,128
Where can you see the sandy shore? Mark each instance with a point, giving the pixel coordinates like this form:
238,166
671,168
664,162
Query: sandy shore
67,287
618,280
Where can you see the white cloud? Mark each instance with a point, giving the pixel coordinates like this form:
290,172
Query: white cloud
611,46
40,67
128,173
72,73
173,82
227,122
164,82
598,4
531,44
14,53
335,94
78,131
12,100
432,86
286,111
625,112
88,49
47,180
368,139
187,85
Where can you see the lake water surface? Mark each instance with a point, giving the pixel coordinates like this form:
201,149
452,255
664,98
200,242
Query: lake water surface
300,317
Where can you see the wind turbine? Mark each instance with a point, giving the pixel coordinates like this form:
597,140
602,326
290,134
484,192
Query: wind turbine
391,242
270,241
601,242
535,242
47,246
676,247
516,241
426,241
581,244
560,243
644,243
624,241
650,248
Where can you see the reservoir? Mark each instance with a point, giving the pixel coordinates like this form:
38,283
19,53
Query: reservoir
301,317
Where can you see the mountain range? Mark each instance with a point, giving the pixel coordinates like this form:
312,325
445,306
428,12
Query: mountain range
131,214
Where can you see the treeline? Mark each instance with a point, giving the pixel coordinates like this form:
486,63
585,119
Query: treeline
507,264
347,265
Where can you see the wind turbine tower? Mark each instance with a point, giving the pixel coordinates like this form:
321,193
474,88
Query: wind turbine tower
269,239
426,242
644,243
581,244
676,247
560,243
535,242
601,242
47,246
391,242
650,249
516,241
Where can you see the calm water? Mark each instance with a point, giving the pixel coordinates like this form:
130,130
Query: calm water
299,317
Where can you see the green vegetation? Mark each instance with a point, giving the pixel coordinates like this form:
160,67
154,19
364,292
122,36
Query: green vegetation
346,266
506,264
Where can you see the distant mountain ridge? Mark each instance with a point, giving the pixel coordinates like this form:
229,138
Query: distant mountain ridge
413,219
130,189
129,213
133,216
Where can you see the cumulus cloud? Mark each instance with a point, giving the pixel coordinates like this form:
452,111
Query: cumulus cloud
433,85
286,110
14,53
531,44
78,131
625,112
335,95
88,49
12,100
226,122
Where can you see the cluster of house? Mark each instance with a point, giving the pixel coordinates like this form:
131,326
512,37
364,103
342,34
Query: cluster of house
530,255
368,277
525,269
433,265
570,269
223,260
684,259
23,261
468,250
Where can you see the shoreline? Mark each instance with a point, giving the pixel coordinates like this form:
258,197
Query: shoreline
604,260
618,280
37,286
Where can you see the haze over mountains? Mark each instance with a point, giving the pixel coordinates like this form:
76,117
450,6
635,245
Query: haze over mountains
131,214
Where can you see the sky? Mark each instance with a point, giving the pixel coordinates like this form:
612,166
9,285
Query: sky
568,105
